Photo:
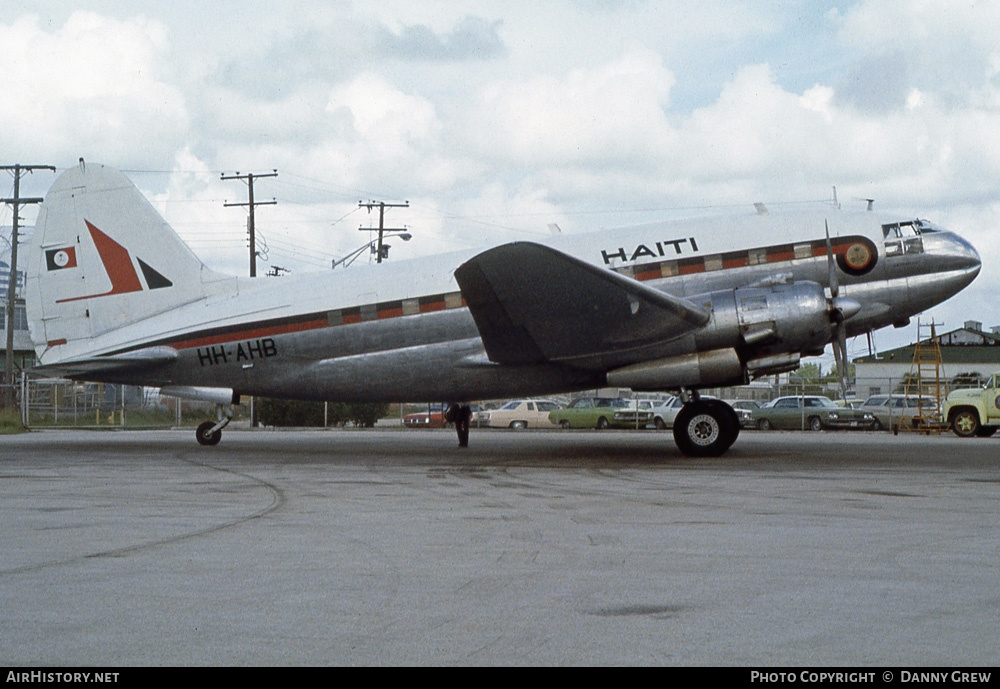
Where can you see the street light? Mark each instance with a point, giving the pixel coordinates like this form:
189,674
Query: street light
349,258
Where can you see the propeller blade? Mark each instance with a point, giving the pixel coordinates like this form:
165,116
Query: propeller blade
840,345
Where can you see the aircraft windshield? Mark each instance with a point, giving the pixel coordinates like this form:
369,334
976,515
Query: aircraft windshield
904,237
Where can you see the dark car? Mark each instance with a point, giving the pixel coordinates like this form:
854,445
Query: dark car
810,412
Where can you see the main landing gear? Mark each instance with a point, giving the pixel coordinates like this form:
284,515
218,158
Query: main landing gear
706,428
210,432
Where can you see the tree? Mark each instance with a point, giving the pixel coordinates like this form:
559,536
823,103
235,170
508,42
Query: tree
278,412
970,379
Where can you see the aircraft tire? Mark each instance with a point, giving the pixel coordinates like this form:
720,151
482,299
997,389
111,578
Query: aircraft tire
204,438
705,428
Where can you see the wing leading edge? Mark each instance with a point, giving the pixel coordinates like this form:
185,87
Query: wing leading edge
534,304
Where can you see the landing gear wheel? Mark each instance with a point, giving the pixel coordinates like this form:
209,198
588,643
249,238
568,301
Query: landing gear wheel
706,428
205,437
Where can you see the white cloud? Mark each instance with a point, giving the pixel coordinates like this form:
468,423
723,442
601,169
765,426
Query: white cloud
603,116
94,86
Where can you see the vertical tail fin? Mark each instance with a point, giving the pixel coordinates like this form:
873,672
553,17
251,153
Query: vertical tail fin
102,258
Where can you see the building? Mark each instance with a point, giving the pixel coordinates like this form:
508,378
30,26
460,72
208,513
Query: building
967,350
24,353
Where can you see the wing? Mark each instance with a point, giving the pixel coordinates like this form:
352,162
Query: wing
534,304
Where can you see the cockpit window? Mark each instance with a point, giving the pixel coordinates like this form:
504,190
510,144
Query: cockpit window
900,230
903,237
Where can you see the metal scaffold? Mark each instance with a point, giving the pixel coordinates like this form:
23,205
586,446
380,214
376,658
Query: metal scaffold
926,382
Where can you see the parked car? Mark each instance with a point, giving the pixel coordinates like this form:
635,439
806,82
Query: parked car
665,412
811,412
432,417
521,414
638,414
893,411
745,410
588,412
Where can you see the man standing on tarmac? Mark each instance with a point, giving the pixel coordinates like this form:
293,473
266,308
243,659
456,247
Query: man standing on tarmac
461,416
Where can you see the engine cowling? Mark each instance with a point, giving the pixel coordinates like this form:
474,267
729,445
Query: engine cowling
780,319
756,330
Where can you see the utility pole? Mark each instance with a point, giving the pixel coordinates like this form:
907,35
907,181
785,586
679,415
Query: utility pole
249,178
382,205
15,201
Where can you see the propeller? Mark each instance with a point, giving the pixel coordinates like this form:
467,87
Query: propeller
840,311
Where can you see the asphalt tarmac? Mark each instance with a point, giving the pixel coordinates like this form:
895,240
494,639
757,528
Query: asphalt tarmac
533,548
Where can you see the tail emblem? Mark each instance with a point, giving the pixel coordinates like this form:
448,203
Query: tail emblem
117,262
57,259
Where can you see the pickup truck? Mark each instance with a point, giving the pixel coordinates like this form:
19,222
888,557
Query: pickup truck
974,411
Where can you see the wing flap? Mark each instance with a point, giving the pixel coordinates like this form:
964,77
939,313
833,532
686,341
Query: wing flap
533,304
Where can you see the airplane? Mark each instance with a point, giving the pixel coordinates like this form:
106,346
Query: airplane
114,295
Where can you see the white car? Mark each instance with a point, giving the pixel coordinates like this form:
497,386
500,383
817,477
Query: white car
519,414
665,412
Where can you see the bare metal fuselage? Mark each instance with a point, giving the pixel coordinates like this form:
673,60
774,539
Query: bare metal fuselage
401,332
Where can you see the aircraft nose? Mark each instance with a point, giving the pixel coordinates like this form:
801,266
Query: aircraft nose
953,253
965,255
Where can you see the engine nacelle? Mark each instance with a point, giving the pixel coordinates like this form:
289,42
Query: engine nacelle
776,319
697,369
754,331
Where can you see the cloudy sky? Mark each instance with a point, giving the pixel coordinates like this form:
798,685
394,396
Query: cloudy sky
494,118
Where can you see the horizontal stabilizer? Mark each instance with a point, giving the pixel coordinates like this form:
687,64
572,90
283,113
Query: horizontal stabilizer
534,304
112,363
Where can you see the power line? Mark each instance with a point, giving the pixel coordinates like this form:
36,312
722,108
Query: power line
382,205
249,178
15,201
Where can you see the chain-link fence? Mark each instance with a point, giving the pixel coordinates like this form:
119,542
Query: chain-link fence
61,403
